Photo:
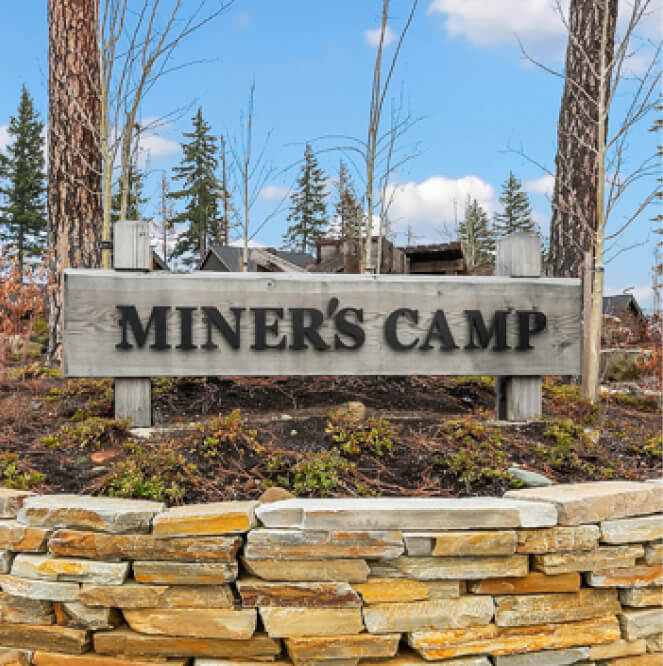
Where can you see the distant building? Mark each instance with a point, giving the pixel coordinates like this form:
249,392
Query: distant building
437,259
335,255
228,258
623,319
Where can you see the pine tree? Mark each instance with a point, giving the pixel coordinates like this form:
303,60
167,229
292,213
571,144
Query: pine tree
23,207
200,189
308,208
348,209
517,215
476,236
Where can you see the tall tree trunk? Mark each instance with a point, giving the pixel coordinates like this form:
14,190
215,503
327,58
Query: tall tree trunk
575,216
74,157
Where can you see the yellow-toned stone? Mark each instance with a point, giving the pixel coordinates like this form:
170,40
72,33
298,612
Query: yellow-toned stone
655,643
256,592
641,623
452,568
642,596
604,557
97,545
393,590
632,530
25,611
557,539
466,611
350,571
185,573
409,658
523,610
285,622
205,519
46,567
642,660
455,544
91,659
638,576
11,501
533,583
132,644
618,648
497,641
13,658
75,614
193,622
157,596
21,538
654,553
44,637
305,650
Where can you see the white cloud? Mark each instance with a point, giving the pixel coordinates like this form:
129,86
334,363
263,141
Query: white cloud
372,37
543,185
157,145
437,202
273,192
4,136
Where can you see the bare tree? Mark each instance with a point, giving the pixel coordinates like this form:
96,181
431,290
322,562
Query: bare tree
74,160
163,225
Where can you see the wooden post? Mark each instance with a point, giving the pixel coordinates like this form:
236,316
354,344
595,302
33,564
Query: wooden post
518,398
132,252
587,275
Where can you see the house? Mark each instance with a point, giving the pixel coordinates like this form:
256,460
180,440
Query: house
228,258
623,319
436,259
336,255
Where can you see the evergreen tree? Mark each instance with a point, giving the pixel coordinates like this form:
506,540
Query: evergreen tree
135,201
348,209
476,236
23,205
200,189
517,215
308,208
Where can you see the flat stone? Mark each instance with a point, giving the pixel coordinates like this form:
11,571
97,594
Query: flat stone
92,659
466,611
530,479
642,596
638,576
25,611
654,553
558,539
194,622
205,519
157,596
305,650
27,654
632,530
618,648
604,557
545,658
185,573
409,658
596,501
459,568
350,571
45,567
642,660
44,637
132,644
11,501
204,661
100,546
14,658
255,593
6,559
407,513
22,538
103,514
519,611
500,641
283,544
75,614
419,544
654,643
286,622
457,544
533,583
641,623
389,590
39,589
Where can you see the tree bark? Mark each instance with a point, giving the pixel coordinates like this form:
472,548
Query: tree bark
74,158
574,204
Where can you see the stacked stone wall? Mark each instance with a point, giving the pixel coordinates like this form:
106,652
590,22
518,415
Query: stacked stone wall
569,574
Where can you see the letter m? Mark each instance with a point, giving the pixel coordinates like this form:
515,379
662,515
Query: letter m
129,320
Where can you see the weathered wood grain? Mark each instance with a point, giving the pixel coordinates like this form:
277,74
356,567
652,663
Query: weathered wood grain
92,329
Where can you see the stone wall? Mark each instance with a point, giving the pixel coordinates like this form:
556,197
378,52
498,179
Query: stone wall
557,575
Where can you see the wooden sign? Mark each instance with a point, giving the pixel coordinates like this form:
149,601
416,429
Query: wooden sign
122,324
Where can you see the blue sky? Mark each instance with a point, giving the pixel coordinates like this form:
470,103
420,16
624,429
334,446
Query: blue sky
461,72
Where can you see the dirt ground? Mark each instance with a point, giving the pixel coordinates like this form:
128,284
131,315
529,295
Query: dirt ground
231,438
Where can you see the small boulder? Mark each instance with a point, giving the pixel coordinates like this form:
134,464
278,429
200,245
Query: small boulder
275,494
530,479
354,410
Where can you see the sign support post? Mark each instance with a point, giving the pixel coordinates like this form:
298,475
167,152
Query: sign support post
132,252
518,398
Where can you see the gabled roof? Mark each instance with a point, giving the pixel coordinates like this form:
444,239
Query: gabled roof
230,256
621,302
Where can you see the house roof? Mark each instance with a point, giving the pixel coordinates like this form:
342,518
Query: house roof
620,302
231,257
436,251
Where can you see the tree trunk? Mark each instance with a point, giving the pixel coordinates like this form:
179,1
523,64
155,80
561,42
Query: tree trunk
74,158
574,218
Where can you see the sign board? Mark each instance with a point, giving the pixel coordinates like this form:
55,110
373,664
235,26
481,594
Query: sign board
128,324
